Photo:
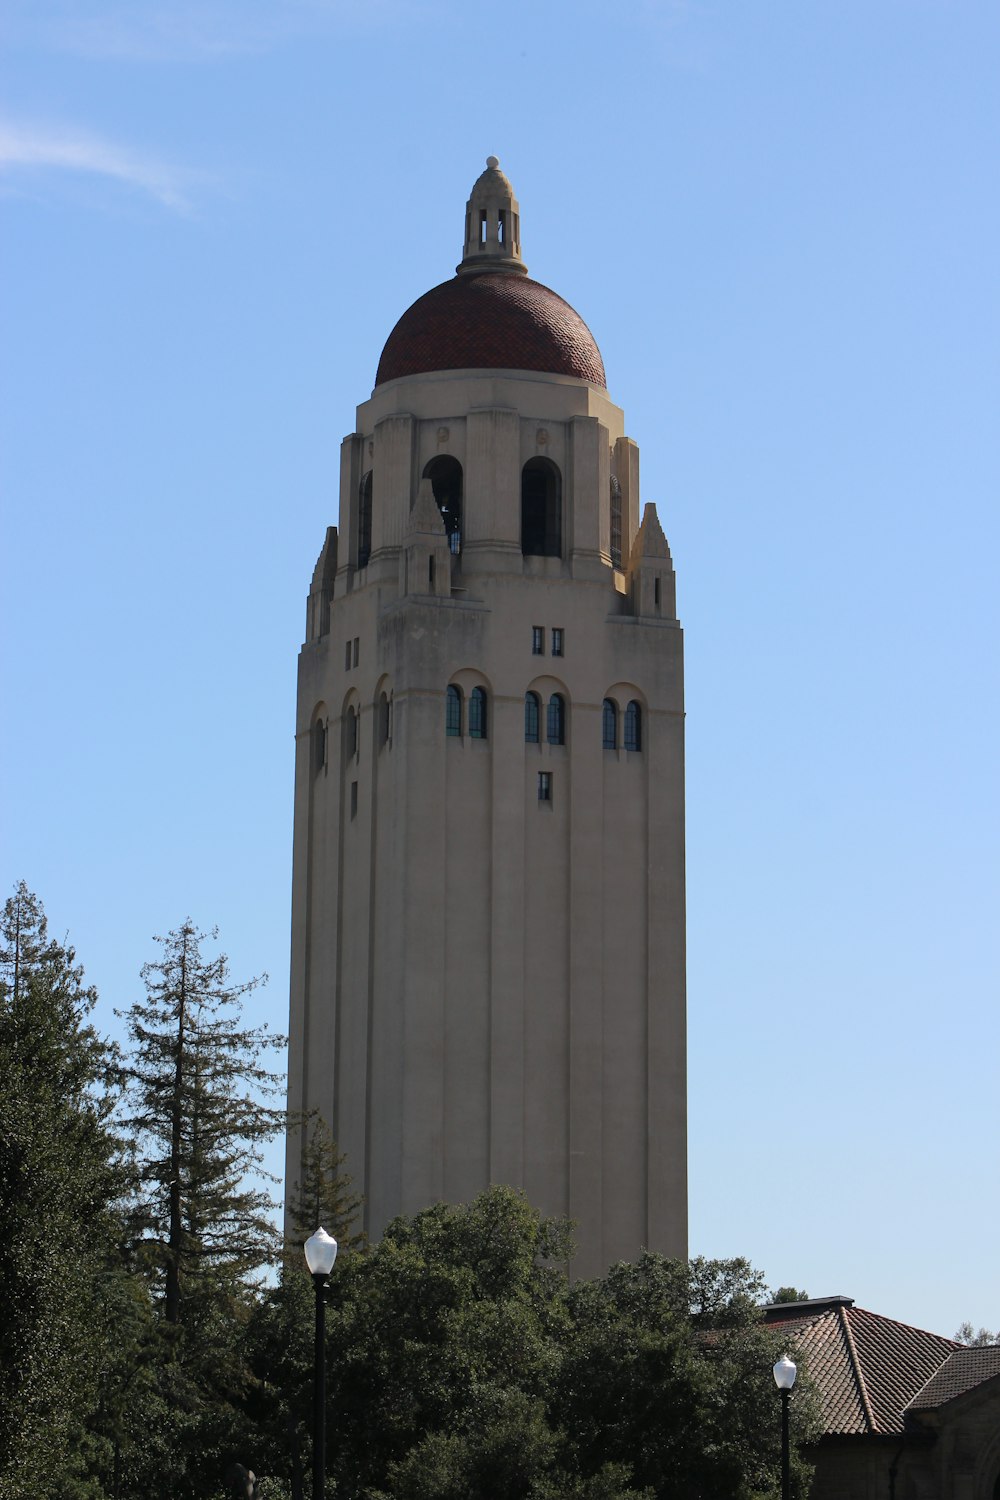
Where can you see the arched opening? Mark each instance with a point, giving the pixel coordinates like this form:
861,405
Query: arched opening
556,720
616,523
365,520
445,475
453,712
319,746
351,734
532,717
384,720
633,726
477,714
609,724
541,509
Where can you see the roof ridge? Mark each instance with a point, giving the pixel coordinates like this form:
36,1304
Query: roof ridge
911,1327
866,1405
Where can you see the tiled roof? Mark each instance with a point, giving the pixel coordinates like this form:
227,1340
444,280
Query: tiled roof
493,320
961,1371
866,1368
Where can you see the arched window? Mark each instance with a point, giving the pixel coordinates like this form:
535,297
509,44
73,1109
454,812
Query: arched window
384,720
477,714
365,520
319,746
541,509
556,720
633,726
616,523
453,712
351,735
532,717
445,475
609,724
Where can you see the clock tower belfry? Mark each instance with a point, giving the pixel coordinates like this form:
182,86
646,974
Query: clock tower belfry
488,894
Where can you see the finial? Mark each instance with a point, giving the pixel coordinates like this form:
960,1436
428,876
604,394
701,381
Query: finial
492,225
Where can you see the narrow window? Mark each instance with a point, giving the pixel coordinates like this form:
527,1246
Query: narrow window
430,572
633,726
556,721
357,648
656,592
482,226
501,226
445,475
354,799
545,786
319,746
347,656
532,717
453,712
609,724
541,509
616,523
557,641
352,734
365,520
538,640
477,714
383,721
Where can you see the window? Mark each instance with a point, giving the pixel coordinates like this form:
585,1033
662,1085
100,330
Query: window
532,717
365,520
616,523
384,720
477,714
538,640
357,647
445,475
319,746
453,712
656,591
541,509
633,726
351,735
545,786
556,720
557,642
354,799
609,724
347,656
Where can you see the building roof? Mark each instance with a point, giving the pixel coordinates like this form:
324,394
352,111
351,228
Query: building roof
867,1369
961,1371
491,320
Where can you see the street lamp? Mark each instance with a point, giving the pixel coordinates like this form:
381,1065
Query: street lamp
321,1252
784,1379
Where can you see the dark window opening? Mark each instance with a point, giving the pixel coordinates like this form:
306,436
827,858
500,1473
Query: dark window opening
319,746
365,520
557,641
354,799
357,648
538,640
430,573
545,786
477,714
609,724
633,726
616,523
656,592
347,656
541,509
532,717
445,475
555,724
384,720
453,713
351,736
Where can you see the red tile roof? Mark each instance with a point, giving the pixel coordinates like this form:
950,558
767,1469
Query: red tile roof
961,1371
867,1369
493,320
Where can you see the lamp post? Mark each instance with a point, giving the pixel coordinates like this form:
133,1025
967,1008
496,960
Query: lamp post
321,1252
784,1379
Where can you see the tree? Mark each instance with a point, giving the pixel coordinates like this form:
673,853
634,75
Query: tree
788,1294
964,1334
322,1193
63,1179
195,1088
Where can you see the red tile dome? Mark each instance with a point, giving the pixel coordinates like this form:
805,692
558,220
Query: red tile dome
491,320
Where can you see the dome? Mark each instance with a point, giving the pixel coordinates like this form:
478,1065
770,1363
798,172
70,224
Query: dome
491,320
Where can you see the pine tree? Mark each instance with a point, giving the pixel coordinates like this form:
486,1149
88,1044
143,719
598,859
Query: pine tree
62,1181
322,1194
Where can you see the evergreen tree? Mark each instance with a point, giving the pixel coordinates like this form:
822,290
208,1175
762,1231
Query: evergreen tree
322,1193
62,1182
196,1089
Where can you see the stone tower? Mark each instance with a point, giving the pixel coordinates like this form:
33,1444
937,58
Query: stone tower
488,896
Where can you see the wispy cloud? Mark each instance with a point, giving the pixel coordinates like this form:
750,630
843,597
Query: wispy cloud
28,148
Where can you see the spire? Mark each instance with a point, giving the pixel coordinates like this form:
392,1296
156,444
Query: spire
492,225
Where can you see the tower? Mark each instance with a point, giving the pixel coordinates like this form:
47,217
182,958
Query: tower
488,893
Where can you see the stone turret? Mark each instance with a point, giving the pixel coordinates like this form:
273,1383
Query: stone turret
492,225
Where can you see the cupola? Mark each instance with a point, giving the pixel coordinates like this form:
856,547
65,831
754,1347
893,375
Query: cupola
492,225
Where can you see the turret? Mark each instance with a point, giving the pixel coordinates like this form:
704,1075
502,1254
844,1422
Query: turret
492,225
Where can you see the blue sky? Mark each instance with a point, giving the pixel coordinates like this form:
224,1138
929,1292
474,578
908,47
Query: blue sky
780,221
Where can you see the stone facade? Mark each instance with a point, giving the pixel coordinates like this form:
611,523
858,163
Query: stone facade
488,922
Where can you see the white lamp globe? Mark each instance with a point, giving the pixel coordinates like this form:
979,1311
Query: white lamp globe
784,1373
321,1252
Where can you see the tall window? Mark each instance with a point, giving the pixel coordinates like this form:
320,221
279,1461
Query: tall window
384,720
538,640
477,714
609,724
532,717
453,712
319,746
616,523
365,520
351,734
633,726
556,720
557,640
541,509
445,475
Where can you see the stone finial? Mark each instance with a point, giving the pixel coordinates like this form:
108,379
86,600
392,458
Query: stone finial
492,225
649,539
425,517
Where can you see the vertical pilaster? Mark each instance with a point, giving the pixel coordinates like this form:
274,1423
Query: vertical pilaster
492,480
393,480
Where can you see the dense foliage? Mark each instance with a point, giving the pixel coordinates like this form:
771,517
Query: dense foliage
142,1351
